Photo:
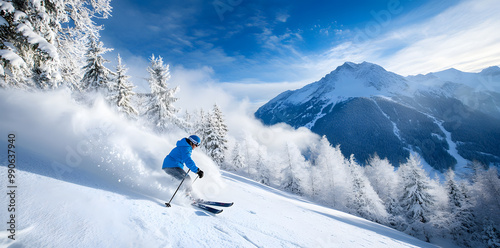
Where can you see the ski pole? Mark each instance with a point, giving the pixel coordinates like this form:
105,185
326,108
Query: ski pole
168,204
194,180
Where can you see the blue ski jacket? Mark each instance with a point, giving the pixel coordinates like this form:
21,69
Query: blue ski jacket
179,156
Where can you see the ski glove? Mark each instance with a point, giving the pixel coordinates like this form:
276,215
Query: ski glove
200,173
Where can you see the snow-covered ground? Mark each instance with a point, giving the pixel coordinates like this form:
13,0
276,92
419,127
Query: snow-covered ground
87,178
58,213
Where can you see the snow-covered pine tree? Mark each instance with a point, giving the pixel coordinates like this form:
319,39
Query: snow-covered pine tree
76,17
122,90
461,221
329,174
201,126
160,107
24,52
159,74
190,125
39,40
215,143
490,234
97,77
71,54
416,199
321,173
250,162
46,19
383,178
263,173
239,161
485,191
454,194
364,201
205,129
293,173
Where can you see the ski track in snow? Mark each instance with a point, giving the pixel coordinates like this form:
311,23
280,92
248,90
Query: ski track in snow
395,128
461,161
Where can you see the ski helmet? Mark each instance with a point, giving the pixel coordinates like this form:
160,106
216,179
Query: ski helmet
195,140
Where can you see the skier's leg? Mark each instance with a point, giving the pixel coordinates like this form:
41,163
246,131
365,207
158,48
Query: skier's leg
175,172
179,174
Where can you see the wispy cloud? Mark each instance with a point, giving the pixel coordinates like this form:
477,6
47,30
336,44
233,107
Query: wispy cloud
282,16
274,55
258,93
464,36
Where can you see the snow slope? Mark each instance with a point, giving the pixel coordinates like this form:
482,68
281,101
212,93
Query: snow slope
87,178
56,213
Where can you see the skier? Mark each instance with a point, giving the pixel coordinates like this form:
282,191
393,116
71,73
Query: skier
173,164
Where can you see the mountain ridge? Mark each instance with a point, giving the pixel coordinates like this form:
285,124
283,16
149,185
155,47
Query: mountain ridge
360,105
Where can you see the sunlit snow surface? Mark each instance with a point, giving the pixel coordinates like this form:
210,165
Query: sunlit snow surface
55,213
87,178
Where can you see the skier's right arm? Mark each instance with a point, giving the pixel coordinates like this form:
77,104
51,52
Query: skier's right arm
186,157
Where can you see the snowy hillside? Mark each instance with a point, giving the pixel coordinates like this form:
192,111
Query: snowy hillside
61,213
85,177
83,143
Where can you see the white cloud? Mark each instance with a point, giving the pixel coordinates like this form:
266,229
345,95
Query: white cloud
198,90
261,92
154,28
464,36
282,17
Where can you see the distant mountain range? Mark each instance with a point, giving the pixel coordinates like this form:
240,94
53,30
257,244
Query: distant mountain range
448,117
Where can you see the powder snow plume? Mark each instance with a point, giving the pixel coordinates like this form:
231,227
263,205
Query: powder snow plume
94,141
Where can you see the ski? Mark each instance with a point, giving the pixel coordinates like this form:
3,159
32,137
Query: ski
214,203
207,208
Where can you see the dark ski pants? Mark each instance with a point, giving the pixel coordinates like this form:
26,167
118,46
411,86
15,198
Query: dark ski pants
179,174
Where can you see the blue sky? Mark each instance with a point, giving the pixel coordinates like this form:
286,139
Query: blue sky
292,43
